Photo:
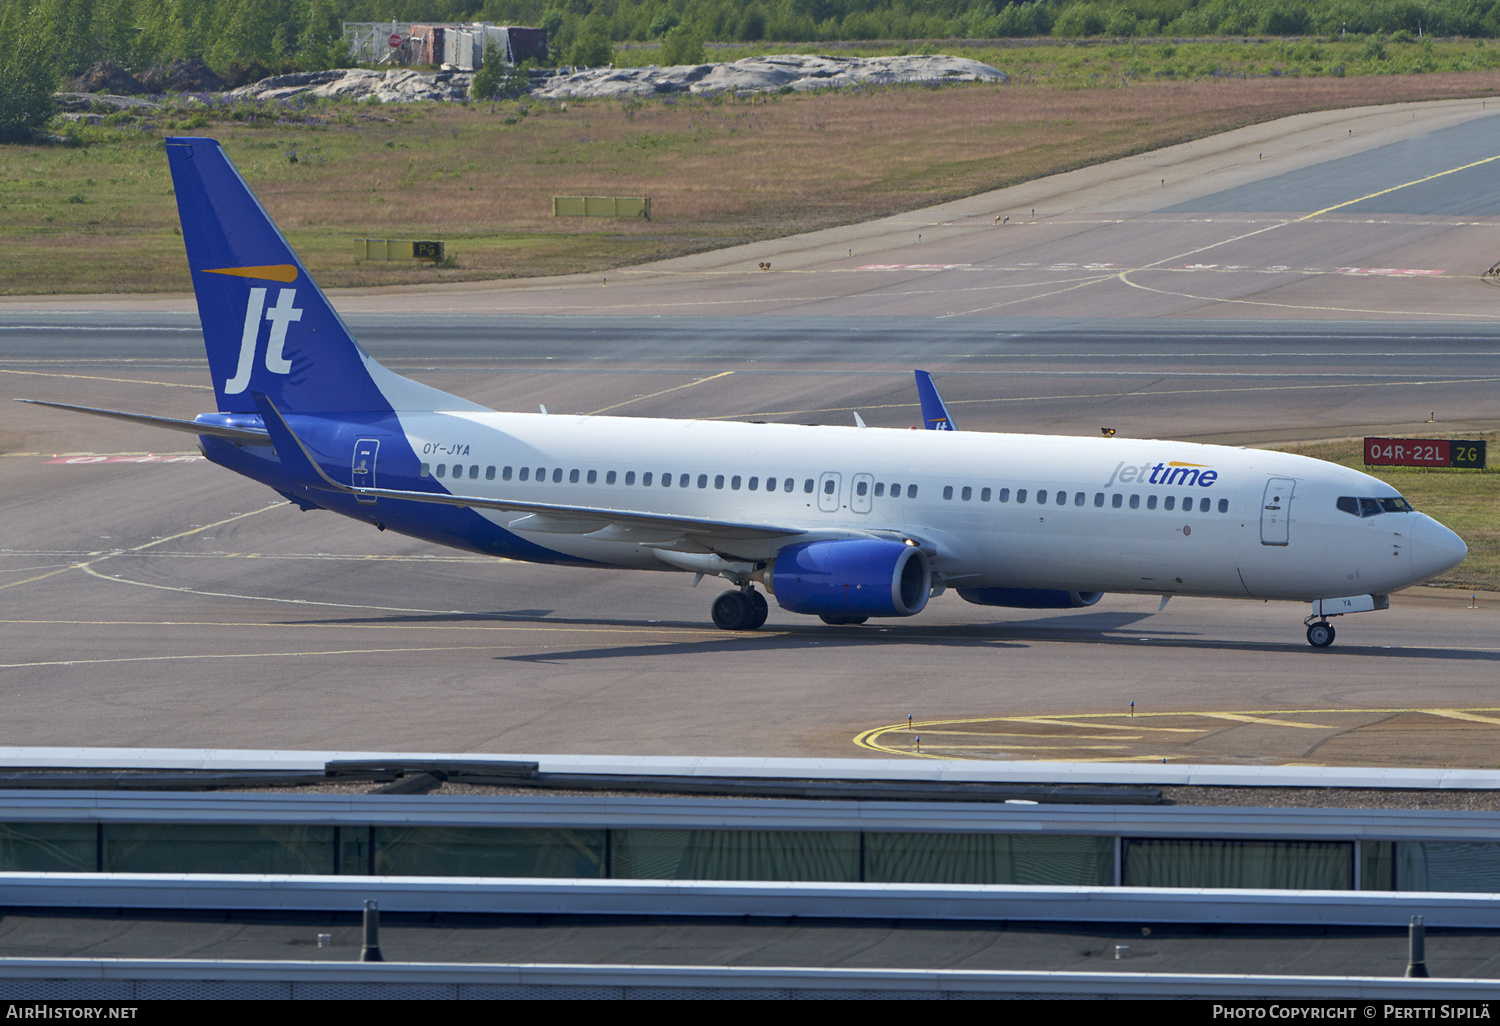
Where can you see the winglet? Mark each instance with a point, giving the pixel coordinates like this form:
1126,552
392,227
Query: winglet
935,415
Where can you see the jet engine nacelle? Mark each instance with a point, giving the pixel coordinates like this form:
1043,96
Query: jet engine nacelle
1030,598
858,577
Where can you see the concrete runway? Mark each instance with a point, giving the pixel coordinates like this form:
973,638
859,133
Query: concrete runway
148,598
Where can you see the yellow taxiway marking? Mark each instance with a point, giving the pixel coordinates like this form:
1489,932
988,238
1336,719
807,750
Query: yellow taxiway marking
1241,718
100,377
1404,185
242,655
1001,733
899,738
86,565
1124,277
653,395
1049,721
1460,714
281,626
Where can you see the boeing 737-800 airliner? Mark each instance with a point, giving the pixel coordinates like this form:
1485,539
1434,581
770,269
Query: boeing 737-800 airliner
843,523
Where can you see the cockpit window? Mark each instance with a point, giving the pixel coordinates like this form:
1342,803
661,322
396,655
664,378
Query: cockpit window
1367,507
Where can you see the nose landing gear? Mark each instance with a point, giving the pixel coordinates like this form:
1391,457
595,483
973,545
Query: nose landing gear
740,610
1320,631
1320,634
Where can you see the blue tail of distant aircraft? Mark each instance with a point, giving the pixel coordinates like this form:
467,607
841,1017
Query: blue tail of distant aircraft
935,415
267,326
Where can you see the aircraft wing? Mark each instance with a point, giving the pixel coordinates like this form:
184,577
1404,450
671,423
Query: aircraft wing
541,517
191,427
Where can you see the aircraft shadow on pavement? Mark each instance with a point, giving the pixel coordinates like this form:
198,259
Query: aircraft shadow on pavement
1115,629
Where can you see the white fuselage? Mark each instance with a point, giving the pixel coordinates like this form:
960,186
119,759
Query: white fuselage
1022,511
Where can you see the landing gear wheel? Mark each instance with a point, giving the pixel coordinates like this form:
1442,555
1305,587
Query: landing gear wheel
760,609
1320,635
842,621
737,611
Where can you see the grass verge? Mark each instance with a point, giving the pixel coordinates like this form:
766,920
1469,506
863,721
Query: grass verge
97,214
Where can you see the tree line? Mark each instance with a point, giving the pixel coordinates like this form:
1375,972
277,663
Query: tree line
283,35
51,41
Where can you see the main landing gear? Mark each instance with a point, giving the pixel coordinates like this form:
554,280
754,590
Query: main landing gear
740,609
1320,634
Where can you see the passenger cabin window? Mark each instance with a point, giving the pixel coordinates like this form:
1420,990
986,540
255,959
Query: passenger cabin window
1004,495
593,476
1169,503
807,486
879,489
984,495
947,491
1223,505
1020,495
442,468
489,473
609,478
424,470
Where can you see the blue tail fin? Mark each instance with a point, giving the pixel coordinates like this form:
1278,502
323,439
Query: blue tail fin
267,326
935,416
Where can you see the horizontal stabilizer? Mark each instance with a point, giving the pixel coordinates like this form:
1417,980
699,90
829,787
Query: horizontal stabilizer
191,427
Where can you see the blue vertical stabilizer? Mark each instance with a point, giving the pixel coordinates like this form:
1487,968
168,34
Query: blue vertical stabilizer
935,415
267,326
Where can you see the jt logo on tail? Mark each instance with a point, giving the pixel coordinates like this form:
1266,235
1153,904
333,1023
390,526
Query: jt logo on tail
280,316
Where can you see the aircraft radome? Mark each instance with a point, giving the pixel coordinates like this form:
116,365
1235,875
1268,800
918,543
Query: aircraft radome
843,523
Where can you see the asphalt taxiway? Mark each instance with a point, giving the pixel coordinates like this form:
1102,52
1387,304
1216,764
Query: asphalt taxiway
148,598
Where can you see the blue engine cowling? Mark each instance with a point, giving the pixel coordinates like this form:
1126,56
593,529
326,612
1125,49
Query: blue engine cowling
1030,598
858,577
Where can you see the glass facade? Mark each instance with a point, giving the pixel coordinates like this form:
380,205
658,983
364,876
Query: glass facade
749,854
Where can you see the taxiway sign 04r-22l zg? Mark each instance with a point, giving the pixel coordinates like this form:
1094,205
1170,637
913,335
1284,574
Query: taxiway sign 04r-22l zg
843,523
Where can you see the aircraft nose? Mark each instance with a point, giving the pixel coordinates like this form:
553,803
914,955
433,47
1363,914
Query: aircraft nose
1435,549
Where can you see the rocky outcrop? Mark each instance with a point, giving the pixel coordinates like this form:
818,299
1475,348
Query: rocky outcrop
184,76
94,102
108,77
751,75
398,85
765,74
